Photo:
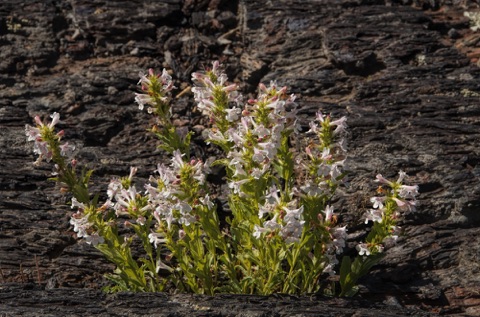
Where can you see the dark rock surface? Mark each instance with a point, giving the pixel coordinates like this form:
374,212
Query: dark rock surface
404,72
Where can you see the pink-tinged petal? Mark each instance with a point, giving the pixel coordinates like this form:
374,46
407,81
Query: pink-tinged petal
55,119
38,121
32,133
383,180
408,191
328,213
401,176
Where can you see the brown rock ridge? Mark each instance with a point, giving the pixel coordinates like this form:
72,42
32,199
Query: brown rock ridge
406,81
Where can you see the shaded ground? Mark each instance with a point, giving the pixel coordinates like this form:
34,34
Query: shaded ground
404,72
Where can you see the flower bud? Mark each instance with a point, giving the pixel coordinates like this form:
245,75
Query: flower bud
181,234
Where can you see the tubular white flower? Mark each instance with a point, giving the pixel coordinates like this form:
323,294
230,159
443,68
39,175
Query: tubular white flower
55,119
157,239
94,239
408,191
66,150
339,236
374,215
233,114
328,213
363,249
114,188
383,180
80,224
377,202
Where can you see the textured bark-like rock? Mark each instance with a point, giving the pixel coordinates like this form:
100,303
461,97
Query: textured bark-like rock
406,81
29,301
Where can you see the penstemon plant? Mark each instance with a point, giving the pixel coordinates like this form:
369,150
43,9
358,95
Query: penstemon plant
281,234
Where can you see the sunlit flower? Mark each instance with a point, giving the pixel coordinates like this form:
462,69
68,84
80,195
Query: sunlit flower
408,191
328,213
363,249
233,114
374,215
156,239
114,187
80,224
143,99
383,180
377,202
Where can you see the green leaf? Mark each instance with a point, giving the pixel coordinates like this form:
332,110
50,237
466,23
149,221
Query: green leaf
345,270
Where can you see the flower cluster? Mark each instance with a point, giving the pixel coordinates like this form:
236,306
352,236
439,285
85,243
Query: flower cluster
256,140
397,201
261,173
286,219
157,88
214,96
325,160
42,134
82,225
280,233
177,192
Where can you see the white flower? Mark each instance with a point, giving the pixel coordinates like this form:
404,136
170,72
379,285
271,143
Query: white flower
55,119
258,231
313,127
335,171
383,180
94,239
377,202
272,224
177,160
143,99
270,149
311,189
144,81
156,239
166,174
408,191
66,150
340,124
329,269
401,176
259,172
259,155
292,230
32,133
363,249
293,215
207,202
125,199
80,224
77,204
374,215
272,195
114,187
237,167
233,114
324,169
261,131
235,185
237,138
339,237
328,213
161,265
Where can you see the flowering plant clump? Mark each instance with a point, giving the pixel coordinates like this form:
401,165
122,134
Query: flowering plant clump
282,234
